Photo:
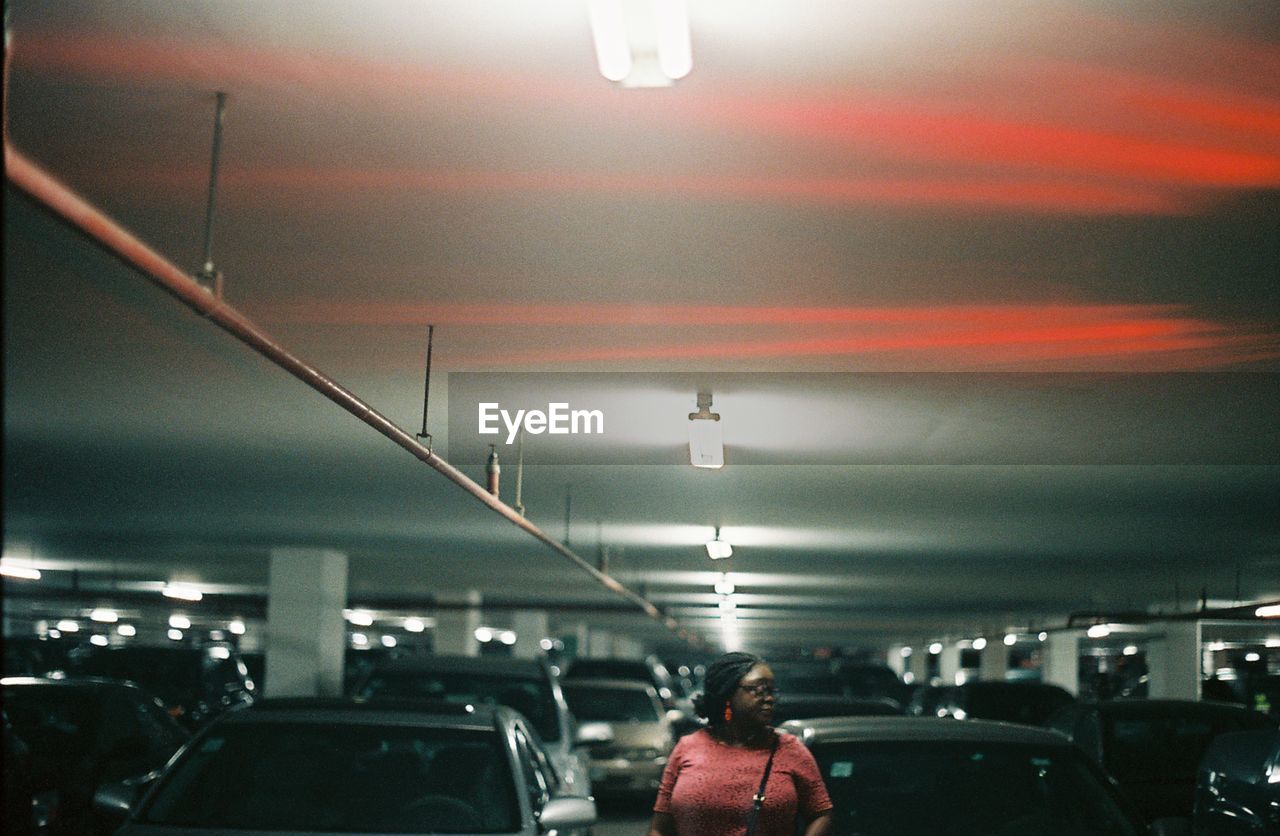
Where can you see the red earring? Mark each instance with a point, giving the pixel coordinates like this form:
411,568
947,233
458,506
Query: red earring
728,713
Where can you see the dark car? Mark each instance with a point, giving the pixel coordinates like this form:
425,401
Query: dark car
35,655
870,681
526,685
351,766
809,706
80,733
1238,785
194,683
1028,703
908,776
807,677
1153,747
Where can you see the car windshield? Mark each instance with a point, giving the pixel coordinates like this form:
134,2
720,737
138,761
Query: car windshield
340,778
611,705
931,788
530,697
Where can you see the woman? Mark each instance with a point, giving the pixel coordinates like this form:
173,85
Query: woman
713,774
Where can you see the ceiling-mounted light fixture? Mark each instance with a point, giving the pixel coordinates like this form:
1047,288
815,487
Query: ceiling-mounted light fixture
642,43
706,441
718,549
23,573
182,592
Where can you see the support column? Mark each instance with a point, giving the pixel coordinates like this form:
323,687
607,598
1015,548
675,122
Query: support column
993,661
896,661
530,627
457,617
1060,660
625,648
1173,662
306,634
949,663
599,644
918,665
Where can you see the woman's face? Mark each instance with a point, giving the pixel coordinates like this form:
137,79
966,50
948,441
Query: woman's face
754,696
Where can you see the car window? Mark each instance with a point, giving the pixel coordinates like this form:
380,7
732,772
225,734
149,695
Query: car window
340,778
612,705
1160,747
531,697
538,776
904,788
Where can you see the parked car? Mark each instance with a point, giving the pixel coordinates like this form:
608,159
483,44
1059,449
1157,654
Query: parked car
80,733
905,776
195,684
35,655
924,700
1028,703
1238,785
526,685
631,761
343,765
1153,747
808,706
871,681
807,677
650,670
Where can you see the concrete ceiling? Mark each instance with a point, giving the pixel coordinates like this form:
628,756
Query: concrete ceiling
986,291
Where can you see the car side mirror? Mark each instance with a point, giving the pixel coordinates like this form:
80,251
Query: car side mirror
591,734
1172,826
567,812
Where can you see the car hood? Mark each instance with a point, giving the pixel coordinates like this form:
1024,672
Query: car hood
164,830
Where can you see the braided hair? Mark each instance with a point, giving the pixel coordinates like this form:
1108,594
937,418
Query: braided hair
722,680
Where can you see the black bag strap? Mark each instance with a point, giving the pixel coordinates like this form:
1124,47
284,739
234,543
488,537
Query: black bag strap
758,801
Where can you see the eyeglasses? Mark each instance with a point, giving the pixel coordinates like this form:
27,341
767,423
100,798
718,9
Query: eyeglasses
760,691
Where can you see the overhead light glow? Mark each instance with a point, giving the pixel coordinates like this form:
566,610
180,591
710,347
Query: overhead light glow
104,616
55,634
360,618
1098,631
724,586
127,630
609,31
23,573
1042,635
935,648
546,644
219,653
1268,611
727,604
182,592
66,625
1273,642
484,634
1215,647
507,637
180,622
388,641
675,54
175,635
719,549
1130,650
359,639
1010,639
979,643
1252,657
414,625
99,640
236,627
905,652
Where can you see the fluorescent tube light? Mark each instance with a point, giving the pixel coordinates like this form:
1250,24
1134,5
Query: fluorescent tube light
706,441
182,592
718,549
24,573
104,616
1269,611
609,30
675,55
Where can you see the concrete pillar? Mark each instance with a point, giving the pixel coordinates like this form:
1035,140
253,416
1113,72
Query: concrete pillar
599,644
457,618
949,663
627,648
306,634
993,661
896,661
918,665
582,640
530,627
1173,661
1060,660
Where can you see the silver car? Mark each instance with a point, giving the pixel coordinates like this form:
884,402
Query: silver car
633,757
349,766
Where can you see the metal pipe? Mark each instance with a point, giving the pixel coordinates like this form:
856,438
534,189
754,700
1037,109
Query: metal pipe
79,213
213,183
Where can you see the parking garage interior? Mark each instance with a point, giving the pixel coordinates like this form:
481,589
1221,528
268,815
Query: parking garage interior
977,304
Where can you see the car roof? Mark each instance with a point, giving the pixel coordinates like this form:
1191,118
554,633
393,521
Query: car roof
522,668
73,682
360,710
1146,707
608,684
921,729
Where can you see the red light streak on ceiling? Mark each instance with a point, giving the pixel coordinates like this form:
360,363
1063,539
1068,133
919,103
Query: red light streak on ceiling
1039,164
991,336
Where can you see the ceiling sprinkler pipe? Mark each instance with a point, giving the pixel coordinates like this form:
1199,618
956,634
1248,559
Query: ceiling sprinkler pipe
80,214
